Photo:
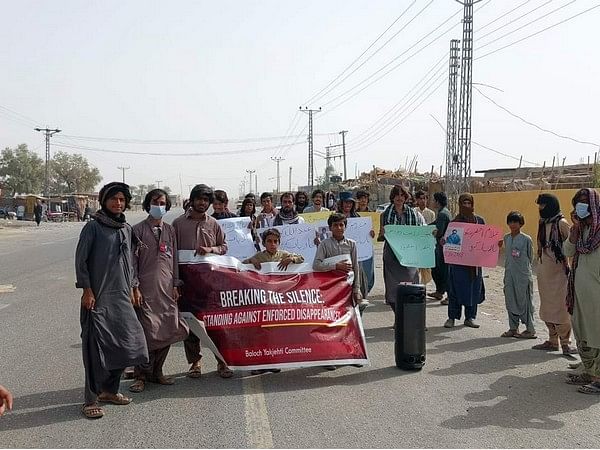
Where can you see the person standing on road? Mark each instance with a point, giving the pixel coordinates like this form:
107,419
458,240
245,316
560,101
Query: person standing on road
301,201
440,272
362,198
421,199
195,230
553,275
38,210
518,278
112,337
267,215
317,197
221,211
465,283
397,213
583,301
157,273
287,214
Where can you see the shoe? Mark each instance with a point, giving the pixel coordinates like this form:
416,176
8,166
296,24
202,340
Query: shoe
449,323
435,295
471,323
444,301
526,335
568,350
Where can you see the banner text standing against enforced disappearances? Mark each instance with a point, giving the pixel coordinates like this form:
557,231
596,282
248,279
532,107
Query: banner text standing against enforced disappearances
469,244
273,318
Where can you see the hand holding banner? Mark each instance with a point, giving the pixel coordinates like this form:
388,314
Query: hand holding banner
414,246
238,237
469,244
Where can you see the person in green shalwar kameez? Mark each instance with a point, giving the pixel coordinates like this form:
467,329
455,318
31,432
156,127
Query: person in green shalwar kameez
518,278
583,299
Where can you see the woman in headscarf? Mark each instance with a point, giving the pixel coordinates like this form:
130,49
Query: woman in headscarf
552,274
397,213
112,337
248,209
465,283
583,298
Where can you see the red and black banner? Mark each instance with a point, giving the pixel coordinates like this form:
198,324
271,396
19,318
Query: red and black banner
273,318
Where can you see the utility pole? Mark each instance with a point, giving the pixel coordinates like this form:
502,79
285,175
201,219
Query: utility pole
311,165
49,133
290,180
452,156
278,159
343,133
466,93
123,169
250,172
158,183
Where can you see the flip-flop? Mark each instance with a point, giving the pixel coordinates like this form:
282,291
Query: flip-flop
117,399
224,371
92,411
578,379
137,386
509,333
592,388
526,335
547,346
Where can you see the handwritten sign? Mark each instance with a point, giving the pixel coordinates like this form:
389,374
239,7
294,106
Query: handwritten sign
359,229
297,239
238,237
375,220
414,246
469,244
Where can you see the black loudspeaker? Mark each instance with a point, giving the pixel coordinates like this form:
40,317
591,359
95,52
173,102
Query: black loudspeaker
409,346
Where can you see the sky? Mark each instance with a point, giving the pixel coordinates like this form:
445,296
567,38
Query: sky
205,91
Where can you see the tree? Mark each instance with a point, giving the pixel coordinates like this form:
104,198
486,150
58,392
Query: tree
21,170
73,173
167,189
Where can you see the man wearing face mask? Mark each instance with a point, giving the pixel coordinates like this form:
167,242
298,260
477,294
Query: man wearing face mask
157,273
195,230
583,301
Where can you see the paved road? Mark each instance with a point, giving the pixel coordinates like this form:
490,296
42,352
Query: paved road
476,390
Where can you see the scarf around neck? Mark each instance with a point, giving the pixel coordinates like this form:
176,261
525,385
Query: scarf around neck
554,242
110,220
392,218
286,218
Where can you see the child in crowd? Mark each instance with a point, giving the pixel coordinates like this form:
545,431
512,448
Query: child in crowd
271,239
337,245
518,278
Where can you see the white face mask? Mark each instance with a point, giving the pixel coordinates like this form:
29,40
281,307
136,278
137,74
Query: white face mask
157,212
582,210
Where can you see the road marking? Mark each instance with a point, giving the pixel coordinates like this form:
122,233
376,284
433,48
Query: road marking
258,427
4,306
6,288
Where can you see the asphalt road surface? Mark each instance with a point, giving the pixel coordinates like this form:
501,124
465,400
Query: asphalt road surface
476,389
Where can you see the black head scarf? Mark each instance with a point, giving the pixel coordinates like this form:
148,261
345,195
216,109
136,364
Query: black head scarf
109,190
551,205
550,214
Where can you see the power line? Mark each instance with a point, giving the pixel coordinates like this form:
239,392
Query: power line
514,20
310,100
527,24
539,32
376,51
127,152
488,148
504,15
545,130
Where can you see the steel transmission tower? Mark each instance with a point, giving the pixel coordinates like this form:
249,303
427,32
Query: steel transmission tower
278,159
49,133
466,91
311,165
452,157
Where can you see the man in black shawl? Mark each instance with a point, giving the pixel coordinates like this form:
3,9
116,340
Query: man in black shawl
112,337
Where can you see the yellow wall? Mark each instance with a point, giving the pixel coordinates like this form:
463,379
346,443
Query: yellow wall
495,206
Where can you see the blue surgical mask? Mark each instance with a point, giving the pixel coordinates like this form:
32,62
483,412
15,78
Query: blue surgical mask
158,212
582,210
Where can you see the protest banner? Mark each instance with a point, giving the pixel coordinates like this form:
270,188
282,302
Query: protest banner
469,244
375,221
238,237
271,318
359,229
414,246
316,216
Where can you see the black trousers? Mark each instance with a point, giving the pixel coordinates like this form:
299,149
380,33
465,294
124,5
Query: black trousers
440,272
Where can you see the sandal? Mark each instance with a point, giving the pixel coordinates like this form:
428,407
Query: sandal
547,345
92,411
435,295
578,379
445,301
509,333
568,350
195,371
526,335
591,388
224,371
116,399
165,381
137,386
